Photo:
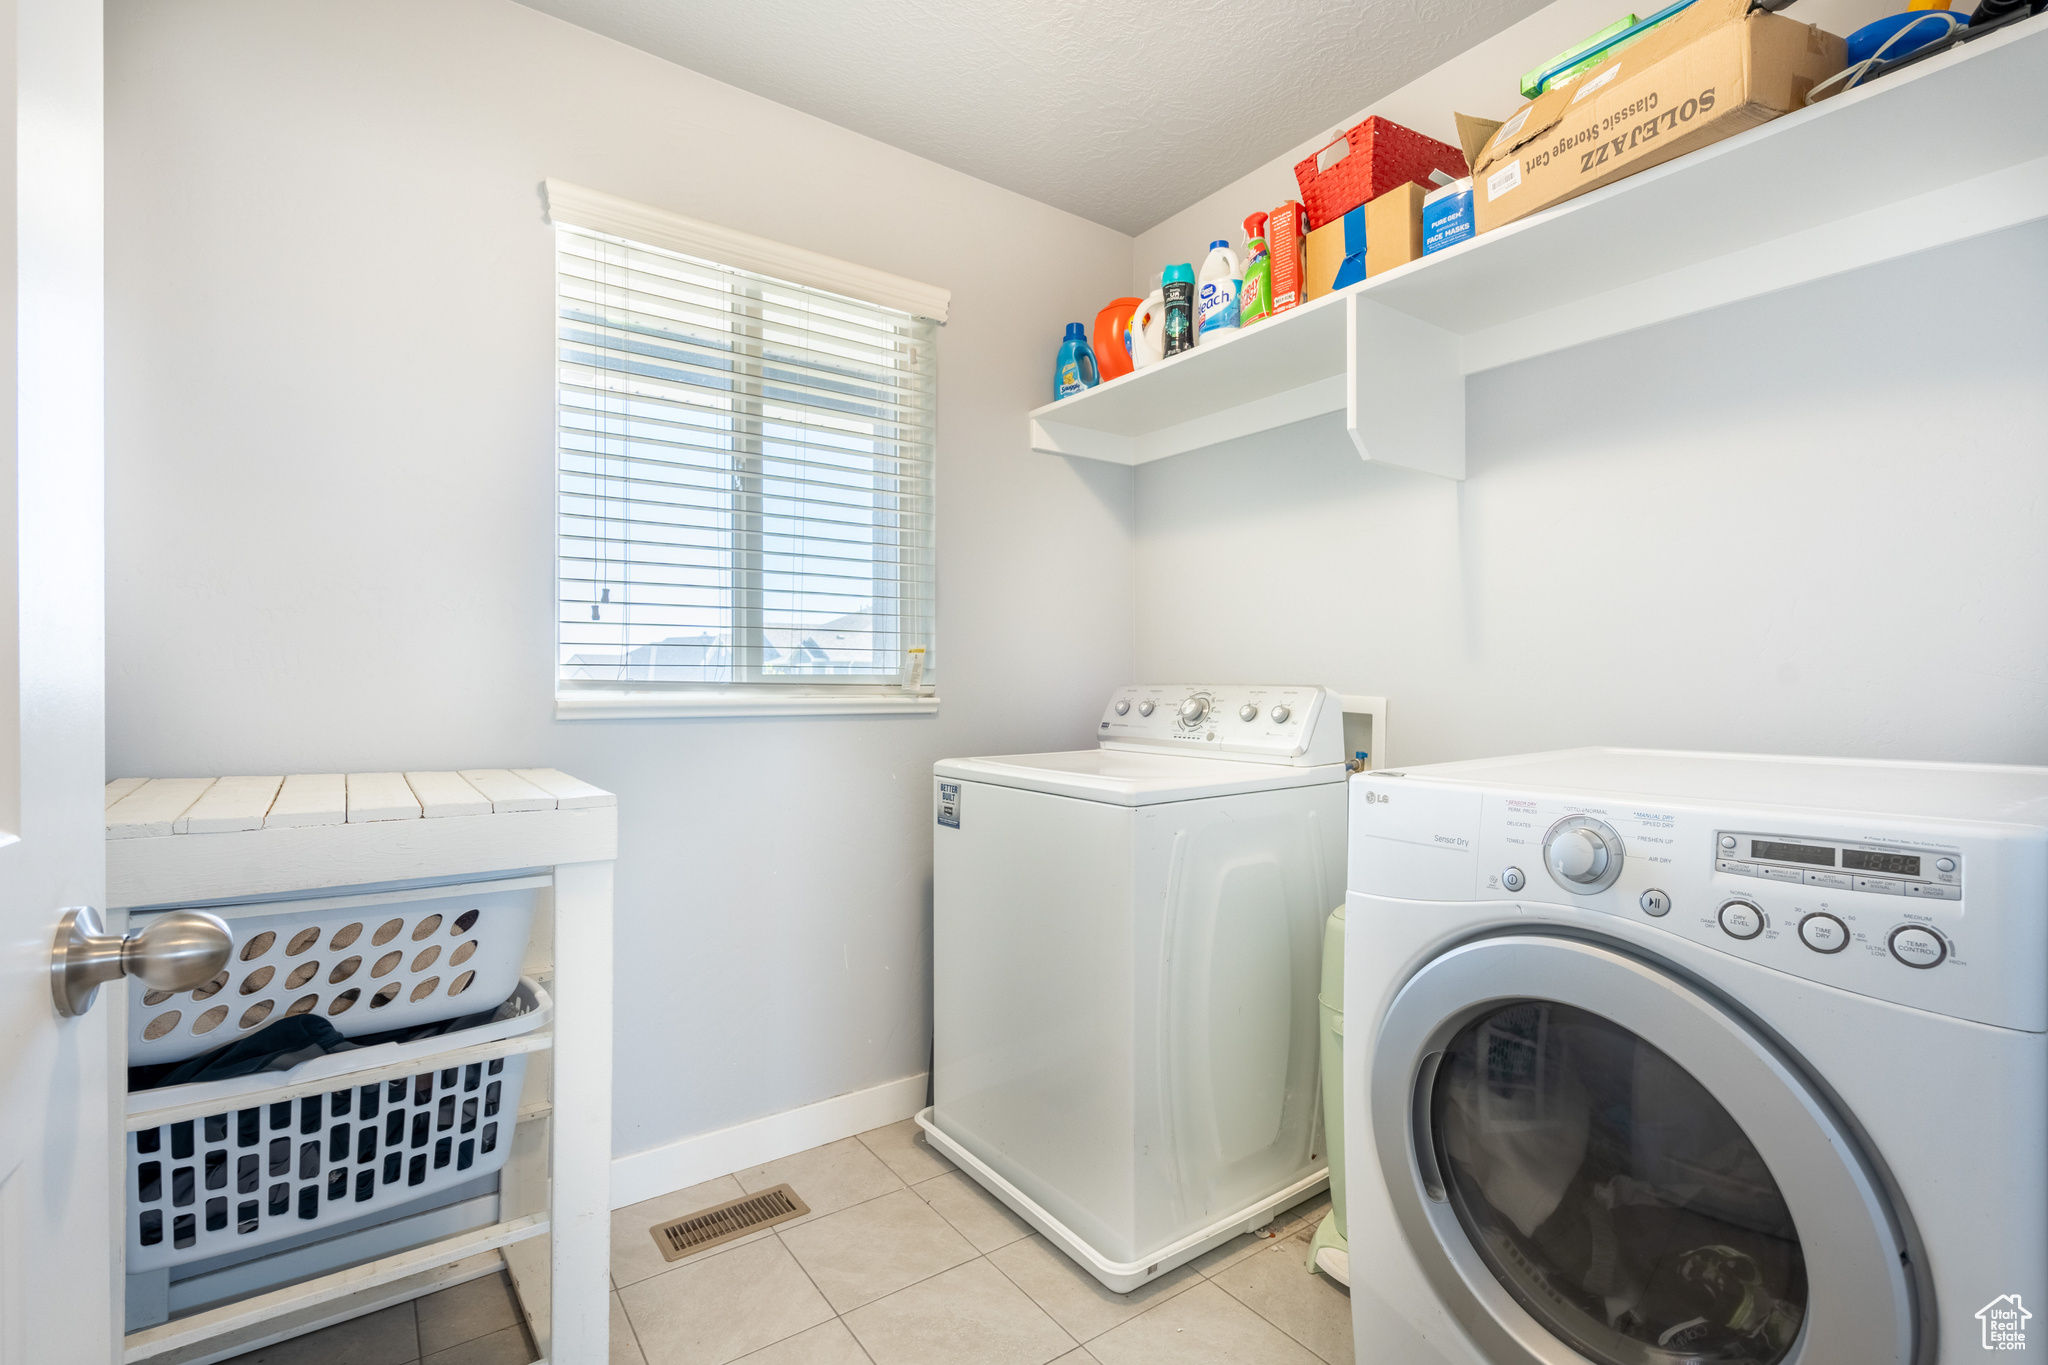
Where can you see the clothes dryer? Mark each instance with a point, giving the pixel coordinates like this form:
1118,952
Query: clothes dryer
1126,950
1663,1058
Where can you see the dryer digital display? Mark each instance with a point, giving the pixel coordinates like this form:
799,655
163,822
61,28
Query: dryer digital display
1791,853
1889,864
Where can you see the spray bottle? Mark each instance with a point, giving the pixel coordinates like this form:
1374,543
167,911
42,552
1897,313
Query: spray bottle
1256,299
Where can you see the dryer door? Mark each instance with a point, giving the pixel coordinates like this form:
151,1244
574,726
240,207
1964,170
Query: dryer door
1593,1160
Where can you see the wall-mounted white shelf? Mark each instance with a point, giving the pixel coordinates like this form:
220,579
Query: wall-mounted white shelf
1949,149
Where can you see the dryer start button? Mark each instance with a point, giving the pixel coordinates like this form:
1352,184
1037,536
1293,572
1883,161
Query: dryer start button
1917,947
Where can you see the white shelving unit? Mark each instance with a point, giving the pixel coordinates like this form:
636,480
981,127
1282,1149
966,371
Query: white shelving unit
237,847
1949,149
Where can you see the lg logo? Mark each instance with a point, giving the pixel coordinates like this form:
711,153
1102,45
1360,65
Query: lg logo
1371,797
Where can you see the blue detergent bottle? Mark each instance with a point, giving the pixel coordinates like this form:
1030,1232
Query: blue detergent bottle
1076,368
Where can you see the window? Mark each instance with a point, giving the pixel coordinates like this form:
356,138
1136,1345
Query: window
745,466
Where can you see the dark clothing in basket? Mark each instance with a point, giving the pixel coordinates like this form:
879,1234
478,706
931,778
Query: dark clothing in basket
284,1045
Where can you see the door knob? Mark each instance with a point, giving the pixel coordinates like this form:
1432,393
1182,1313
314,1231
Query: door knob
172,952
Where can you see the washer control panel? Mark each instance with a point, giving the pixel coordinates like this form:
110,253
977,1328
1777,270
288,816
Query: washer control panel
1300,726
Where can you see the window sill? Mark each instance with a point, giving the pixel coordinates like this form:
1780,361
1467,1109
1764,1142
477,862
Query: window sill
658,705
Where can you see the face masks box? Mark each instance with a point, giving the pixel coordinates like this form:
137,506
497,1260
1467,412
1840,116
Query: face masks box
1707,73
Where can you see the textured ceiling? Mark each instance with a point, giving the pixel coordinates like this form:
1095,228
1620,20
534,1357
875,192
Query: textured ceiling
1121,113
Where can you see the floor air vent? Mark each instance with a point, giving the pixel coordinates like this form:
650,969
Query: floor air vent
721,1223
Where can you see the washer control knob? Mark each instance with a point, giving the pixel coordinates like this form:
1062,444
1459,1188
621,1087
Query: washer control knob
1123,708
1918,947
1193,710
1944,864
1740,919
1280,715
1578,855
1144,708
1655,904
1513,879
1727,841
1247,712
1824,933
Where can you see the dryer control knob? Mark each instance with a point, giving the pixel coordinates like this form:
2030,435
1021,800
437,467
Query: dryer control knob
1123,708
1583,855
1247,712
1280,715
1578,855
1740,919
1193,710
1918,947
1144,708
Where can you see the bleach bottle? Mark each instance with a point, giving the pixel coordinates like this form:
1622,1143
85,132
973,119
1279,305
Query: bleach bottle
1220,283
1076,368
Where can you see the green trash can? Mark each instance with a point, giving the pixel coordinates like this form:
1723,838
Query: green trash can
1330,1250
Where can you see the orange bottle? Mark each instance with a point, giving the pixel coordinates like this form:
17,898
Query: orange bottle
1112,351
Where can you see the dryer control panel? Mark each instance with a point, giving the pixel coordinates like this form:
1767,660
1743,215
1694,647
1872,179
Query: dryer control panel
1941,915
1296,725
1863,908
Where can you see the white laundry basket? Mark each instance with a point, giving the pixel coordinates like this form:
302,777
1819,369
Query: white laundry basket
273,1161
366,965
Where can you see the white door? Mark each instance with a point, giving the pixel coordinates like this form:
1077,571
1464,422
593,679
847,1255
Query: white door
58,1260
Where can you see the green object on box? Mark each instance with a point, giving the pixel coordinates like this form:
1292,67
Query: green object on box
1533,83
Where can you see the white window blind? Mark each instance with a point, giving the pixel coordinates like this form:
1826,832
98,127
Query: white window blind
745,479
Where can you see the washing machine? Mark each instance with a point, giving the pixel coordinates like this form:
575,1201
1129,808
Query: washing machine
1669,1058
1125,961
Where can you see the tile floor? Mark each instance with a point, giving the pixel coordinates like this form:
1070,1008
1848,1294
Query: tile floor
905,1261
902,1261
472,1324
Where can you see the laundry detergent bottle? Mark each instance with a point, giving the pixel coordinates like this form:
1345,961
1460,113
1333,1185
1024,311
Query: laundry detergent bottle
1146,336
1221,281
1076,368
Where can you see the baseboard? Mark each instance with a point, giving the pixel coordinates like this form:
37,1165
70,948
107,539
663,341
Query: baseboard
693,1160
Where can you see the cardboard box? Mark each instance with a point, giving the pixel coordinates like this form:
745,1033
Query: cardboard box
1369,240
1704,75
1287,249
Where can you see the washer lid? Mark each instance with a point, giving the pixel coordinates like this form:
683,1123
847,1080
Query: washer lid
1123,778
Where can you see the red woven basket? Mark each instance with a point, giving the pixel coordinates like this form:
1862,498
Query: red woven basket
1376,156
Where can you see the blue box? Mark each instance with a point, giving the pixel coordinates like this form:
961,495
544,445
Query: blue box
1447,215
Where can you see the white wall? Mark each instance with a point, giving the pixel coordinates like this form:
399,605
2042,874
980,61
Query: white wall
330,489
1810,523
1776,526
1806,523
